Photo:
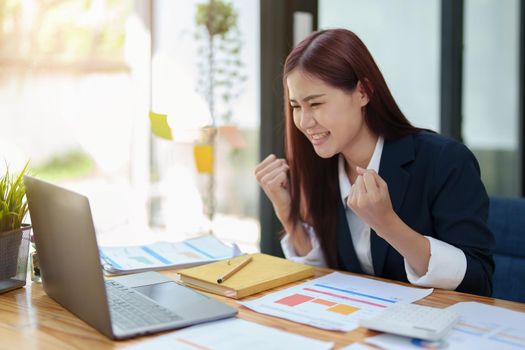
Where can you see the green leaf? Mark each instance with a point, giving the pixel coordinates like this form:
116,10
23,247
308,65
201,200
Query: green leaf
13,204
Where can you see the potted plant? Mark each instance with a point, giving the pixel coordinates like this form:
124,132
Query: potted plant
14,234
220,82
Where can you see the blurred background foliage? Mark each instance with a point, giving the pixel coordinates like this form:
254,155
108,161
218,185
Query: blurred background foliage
68,165
64,35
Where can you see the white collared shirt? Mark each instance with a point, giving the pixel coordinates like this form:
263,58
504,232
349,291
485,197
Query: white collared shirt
447,265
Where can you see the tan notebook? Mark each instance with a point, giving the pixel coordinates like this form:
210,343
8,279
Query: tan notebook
262,273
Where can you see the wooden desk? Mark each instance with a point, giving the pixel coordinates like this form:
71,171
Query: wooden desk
29,319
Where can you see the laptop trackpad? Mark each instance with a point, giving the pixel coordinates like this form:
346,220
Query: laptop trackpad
171,295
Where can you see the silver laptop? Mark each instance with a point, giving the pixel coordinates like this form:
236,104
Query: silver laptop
121,307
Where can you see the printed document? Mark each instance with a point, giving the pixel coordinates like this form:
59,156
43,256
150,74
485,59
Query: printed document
481,327
335,301
195,251
232,334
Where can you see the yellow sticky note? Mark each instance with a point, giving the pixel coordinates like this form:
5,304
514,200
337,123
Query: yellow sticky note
159,125
203,155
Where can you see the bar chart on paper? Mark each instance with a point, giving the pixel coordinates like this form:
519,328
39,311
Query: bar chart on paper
488,326
335,301
158,255
481,327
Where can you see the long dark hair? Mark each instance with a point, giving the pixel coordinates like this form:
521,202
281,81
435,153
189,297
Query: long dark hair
339,58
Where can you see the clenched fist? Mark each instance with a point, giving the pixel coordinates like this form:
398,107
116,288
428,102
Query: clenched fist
272,175
370,200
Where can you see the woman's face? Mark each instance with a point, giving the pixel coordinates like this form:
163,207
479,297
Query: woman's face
331,118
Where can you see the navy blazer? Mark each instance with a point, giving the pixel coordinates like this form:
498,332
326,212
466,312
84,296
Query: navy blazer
435,188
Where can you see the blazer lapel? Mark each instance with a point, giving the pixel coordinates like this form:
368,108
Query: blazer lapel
395,154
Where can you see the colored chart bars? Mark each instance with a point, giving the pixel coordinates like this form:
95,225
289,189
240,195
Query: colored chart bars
335,302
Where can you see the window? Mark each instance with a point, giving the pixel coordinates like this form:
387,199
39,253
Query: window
490,91
404,39
179,79
73,95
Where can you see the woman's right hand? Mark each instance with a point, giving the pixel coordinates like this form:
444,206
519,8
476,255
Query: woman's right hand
272,175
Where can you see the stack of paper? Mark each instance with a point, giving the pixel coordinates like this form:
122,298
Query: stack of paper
163,255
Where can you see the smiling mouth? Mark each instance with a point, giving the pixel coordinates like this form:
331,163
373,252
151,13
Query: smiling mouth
319,136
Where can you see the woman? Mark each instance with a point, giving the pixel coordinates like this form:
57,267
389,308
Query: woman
362,189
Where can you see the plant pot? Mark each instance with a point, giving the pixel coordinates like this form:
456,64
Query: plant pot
14,250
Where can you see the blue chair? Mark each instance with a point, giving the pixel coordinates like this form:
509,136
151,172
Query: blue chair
507,222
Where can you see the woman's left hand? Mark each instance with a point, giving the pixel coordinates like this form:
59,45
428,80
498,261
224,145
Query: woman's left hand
370,200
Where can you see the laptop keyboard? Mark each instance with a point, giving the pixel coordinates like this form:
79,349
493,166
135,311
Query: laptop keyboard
130,309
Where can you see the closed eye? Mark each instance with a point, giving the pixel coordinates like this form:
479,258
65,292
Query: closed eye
316,104
295,106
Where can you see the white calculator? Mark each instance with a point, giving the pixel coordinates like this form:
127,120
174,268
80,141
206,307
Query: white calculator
413,320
